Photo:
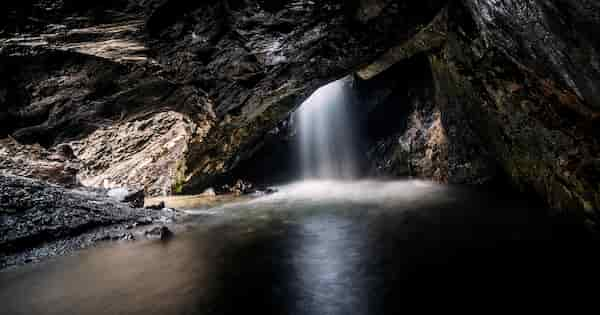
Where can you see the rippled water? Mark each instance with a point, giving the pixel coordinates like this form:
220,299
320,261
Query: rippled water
323,247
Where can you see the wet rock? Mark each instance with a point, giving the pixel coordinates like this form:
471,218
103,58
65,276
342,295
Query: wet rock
135,198
127,237
161,232
240,187
117,236
210,192
118,194
44,212
159,206
516,70
263,192
509,93
144,221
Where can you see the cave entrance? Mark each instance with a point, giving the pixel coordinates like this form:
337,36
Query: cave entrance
351,127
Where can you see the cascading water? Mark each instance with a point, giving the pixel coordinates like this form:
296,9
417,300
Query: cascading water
327,136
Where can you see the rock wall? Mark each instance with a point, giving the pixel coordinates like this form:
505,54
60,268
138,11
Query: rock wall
230,71
58,166
515,86
525,72
417,132
258,62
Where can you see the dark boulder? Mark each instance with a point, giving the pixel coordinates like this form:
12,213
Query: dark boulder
158,206
136,198
161,232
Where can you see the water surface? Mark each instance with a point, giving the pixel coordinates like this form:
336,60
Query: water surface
323,247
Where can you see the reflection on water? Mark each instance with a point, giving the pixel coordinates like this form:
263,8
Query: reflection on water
321,248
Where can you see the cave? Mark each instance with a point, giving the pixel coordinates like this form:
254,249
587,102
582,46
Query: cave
297,156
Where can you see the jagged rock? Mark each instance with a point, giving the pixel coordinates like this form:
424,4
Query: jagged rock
522,72
415,133
148,152
258,65
95,104
512,91
56,165
190,92
33,211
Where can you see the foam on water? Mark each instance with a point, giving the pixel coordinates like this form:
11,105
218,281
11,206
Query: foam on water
401,194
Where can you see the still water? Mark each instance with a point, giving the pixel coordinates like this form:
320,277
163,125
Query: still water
322,247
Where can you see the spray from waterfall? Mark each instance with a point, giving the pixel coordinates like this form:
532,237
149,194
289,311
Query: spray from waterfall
327,137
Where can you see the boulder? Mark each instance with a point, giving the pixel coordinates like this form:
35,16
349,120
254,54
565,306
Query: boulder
133,197
159,206
161,232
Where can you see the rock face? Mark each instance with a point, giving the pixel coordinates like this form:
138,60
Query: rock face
33,211
58,166
95,88
515,86
223,72
415,132
258,60
145,151
526,72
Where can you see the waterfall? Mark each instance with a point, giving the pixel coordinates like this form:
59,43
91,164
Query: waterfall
327,134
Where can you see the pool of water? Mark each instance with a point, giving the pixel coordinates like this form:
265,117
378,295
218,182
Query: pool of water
324,247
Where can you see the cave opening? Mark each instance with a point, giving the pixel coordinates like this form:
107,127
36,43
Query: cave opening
324,138
335,132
